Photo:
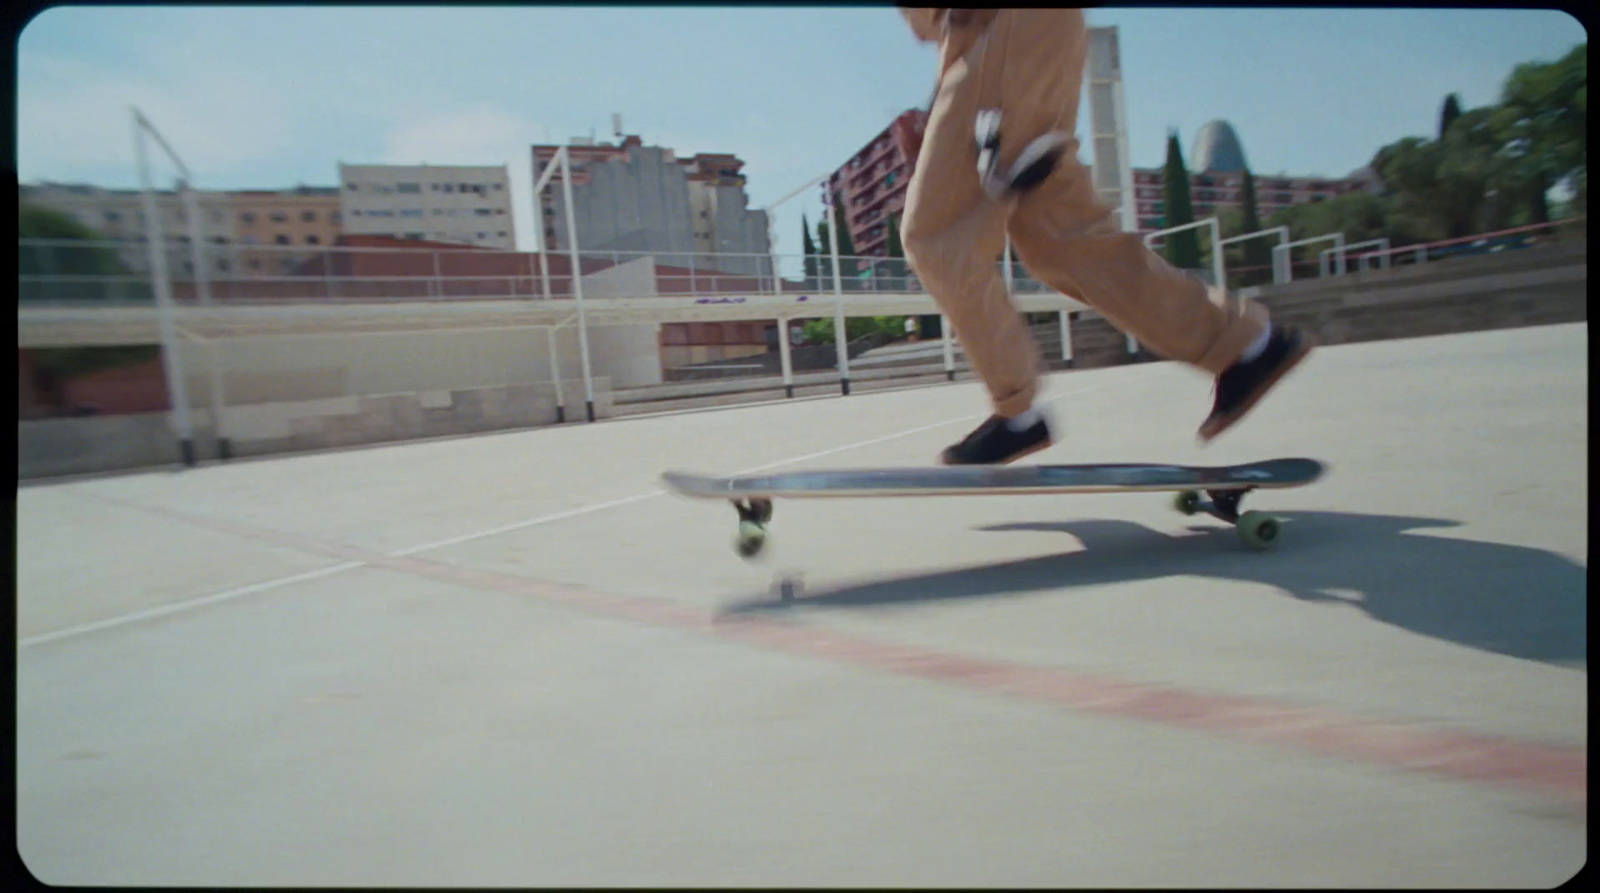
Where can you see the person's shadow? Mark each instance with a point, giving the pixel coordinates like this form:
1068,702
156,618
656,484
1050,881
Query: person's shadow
1511,600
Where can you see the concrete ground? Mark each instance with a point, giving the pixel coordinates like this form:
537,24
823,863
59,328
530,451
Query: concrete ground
512,660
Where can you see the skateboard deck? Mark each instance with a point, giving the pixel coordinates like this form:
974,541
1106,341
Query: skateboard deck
1226,485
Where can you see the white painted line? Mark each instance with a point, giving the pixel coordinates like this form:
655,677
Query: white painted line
230,594
531,522
189,604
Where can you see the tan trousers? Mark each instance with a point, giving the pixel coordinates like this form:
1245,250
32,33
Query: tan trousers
1029,63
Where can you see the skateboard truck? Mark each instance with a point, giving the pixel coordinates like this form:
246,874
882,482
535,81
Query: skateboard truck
1258,530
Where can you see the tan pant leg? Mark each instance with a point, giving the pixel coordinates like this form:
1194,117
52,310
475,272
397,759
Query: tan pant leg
1068,239
954,235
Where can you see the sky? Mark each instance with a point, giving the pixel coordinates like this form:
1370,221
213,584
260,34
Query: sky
273,97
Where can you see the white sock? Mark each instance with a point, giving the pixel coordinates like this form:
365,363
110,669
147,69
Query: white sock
1257,346
1025,420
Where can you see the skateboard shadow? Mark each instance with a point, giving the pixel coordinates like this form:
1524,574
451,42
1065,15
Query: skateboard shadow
1512,600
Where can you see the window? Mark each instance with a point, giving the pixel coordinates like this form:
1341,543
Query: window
408,188
503,233
333,217
113,215
449,187
248,217
255,264
413,235
411,212
308,216
313,240
222,266
497,187
279,217
281,240
437,212
434,186
484,212
500,212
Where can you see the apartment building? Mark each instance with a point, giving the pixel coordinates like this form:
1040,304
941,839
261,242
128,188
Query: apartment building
467,205
307,218
872,183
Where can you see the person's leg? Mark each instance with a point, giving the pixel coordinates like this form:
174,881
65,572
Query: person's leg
1068,239
953,236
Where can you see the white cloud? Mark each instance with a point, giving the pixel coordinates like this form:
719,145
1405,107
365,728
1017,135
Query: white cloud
72,115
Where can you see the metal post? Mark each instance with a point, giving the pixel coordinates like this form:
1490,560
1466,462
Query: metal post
949,348
327,272
783,355
555,376
1066,336
1217,263
839,340
202,278
177,386
1010,285
577,279
437,285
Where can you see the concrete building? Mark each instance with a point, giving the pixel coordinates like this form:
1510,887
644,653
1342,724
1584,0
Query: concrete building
443,203
636,198
873,182
230,220
306,217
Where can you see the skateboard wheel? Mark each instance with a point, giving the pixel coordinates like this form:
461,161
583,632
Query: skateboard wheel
752,537
1187,502
762,509
1258,531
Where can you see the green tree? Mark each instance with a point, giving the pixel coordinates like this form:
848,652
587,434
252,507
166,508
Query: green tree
1182,249
812,283
1542,119
1256,254
848,266
37,222
1449,113
54,366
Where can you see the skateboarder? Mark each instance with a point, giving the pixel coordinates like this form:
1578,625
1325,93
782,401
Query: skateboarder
999,157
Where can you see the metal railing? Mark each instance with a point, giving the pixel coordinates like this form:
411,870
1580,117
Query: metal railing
112,272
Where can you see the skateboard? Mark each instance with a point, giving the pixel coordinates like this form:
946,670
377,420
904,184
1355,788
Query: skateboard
1213,490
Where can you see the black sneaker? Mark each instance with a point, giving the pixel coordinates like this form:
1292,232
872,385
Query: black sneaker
994,443
1243,384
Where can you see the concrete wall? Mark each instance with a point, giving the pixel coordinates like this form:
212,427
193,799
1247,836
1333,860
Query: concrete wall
1540,285
53,447
629,355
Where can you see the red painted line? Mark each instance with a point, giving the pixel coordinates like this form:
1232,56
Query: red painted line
1561,772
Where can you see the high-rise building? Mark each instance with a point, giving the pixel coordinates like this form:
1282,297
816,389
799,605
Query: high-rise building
468,205
872,184
631,197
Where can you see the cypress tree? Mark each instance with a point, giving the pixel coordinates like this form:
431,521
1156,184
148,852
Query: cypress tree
1257,253
1448,114
1182,249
